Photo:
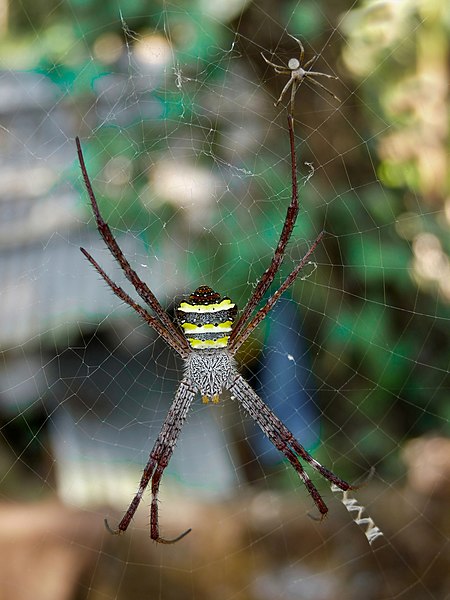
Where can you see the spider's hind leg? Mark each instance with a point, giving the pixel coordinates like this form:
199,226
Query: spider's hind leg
300,45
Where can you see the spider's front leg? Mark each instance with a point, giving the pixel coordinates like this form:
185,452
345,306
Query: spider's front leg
284,440
292,81
159,459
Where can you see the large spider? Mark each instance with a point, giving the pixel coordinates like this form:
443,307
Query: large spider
298,72
206,336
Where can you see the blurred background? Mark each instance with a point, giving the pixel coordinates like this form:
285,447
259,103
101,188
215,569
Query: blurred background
190,161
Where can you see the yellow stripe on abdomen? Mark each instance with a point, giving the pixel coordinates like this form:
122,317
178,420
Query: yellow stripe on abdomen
225,304
205,344
191,328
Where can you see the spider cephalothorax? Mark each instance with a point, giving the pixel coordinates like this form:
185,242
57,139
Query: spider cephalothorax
207,337
211,372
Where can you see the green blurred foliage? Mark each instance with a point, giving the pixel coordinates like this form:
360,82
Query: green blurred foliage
398,52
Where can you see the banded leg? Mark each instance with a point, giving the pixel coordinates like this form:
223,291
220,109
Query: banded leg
158,460
141,288
262,312
284,440
152,321
268,276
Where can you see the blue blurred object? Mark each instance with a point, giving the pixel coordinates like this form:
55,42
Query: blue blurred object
285,382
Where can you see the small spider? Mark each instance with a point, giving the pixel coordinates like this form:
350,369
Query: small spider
298,72
207,335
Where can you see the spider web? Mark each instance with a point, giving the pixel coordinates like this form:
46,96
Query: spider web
190,162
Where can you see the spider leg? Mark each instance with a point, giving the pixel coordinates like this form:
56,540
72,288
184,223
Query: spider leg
311,80
283,71
152,321
141,288
274,65
293,92
269,274
284,90
309,62
154,517
262,312
318,73
158,460
302,50
281,445
283,440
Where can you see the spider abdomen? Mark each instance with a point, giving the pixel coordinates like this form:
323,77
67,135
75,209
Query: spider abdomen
206,319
